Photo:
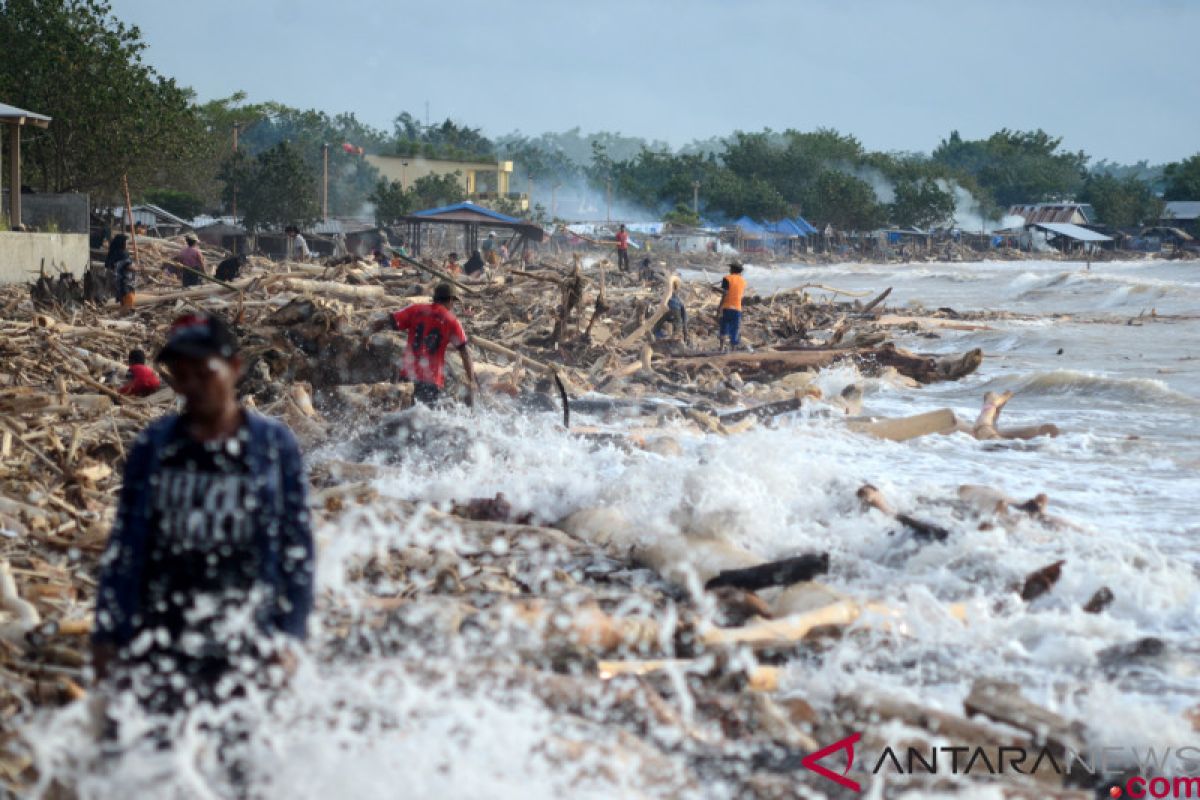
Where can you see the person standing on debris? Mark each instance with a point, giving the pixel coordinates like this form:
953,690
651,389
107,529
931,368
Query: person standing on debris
192,259
207,577
733,288
452,266
622,249
432,327
488,249
297,248
140,381
122,269
676,311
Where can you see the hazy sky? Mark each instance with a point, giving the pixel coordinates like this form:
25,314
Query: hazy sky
1120,80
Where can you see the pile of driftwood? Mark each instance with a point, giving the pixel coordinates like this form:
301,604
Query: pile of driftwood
543,337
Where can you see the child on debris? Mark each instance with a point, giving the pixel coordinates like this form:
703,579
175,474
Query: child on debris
733,287
123,270
140,381
207,578
452,267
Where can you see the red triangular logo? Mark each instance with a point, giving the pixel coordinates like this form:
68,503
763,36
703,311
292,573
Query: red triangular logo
847,744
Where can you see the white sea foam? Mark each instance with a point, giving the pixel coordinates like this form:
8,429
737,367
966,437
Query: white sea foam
416,713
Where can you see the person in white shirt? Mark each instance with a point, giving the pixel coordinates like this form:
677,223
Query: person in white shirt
297,248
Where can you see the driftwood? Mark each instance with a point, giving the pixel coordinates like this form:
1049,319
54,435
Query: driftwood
1040,581
775,573
927,531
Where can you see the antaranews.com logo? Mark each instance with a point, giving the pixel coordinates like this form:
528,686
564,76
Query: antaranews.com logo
1017,760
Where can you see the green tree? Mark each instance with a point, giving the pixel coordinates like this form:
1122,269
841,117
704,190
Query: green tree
274,189
1121,202
392,202
920,204
682,215
845,202
1183,179
1016,166
112,114
431,191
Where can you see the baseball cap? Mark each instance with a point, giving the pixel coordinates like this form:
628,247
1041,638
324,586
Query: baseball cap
199,336
443,292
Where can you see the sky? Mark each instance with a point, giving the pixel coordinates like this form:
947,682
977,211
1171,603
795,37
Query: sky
1116,79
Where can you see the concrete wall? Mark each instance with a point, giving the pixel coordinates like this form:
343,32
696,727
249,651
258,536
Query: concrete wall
22,254
69,213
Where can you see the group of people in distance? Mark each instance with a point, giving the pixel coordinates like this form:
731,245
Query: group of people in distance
732,289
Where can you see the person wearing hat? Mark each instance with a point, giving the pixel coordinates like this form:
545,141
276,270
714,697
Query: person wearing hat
192,261
206,582
432,327
733,288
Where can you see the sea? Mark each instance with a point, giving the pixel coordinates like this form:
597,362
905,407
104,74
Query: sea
1109,353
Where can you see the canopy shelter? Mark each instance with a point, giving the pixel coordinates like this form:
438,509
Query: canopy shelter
1075,232
14,118
471,218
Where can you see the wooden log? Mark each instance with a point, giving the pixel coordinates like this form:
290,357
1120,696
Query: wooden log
869,307
1002,702
792,629
1040,581
871,497
765,411
774,573
334,288
902,429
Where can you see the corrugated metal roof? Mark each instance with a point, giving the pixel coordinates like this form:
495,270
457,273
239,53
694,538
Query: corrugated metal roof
1182,209
1073,232
21,116
1054,212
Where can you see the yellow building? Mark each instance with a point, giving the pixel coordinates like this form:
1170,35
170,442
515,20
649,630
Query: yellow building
481,180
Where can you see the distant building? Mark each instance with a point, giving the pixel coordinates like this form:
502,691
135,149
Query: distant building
1183,214
481,180
1067,213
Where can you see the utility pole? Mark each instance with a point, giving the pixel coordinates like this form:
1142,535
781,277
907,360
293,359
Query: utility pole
696,197
236,127
404,176
529,196
325,182
554,201
608,199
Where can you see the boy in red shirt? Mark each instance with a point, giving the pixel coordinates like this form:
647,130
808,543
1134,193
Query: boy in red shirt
432,327
141,381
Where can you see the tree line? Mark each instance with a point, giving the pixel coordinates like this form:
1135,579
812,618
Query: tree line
116,116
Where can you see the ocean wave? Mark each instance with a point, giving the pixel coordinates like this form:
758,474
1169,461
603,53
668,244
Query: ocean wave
1087,384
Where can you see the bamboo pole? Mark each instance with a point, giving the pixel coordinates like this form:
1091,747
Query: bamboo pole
129,223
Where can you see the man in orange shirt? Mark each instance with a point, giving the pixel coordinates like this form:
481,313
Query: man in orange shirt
733,287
